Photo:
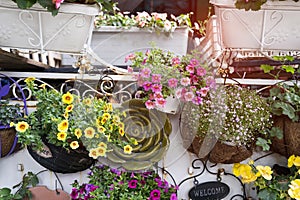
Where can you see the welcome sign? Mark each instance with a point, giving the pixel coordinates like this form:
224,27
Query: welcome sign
214,190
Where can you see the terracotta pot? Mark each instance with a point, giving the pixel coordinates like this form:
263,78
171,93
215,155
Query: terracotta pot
290,143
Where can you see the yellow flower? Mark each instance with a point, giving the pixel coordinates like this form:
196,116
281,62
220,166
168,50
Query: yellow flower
29,79
247,174
251,162
103,120
66,115
102,144
93,153
87,101
116,118
89,132
11,124
124,114
74,145
22,126
297,161
101,151
134,141
291,161
121,125
101,129
67,98
106,115
121,132
294,190
265,171
61,136
236,169
63,126
97,135
69,108
127,149
111,128
78,133
43,85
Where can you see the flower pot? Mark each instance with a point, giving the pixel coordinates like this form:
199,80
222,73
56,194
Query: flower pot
58,159
37,29
273,27
8,141
172,106
290,143
112,44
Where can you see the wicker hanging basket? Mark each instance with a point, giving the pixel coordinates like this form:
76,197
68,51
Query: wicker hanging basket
290,143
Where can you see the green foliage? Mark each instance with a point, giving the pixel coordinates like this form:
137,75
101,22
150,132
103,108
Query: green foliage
10,113
249,5
29,179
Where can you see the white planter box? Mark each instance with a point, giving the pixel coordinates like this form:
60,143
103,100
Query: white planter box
112,44
274,27
37,29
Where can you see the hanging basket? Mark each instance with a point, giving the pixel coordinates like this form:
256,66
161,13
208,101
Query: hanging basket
290,143
8,136
60,160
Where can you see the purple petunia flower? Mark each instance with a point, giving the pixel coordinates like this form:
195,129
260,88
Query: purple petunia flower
132,184
155,194
173,196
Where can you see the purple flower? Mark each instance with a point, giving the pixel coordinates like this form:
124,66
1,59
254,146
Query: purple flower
173,196
74,193
201,71
197,100
132,184
155,194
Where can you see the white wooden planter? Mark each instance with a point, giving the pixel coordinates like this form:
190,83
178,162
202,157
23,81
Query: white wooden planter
274,27
37,29
112,44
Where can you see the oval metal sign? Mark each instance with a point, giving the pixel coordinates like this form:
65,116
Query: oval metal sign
213,190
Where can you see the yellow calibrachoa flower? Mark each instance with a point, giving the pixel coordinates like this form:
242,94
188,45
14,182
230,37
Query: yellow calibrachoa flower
11,124
247,174
74,145
121,132
22,126
294,160
111,128
29,79
43,85
101,129
106,115
69,108
93,153
67,98
103,120
264,171
127,149
121,125
61,136
78,133
102,144
101,151
66,115
89,132
116,118
63,126
294,190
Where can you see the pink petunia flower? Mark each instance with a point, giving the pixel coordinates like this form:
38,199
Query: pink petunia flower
172,82
158,95
147,85
194,62
149,104
156,88
145,73
197,100
204,91
185,81
156,78
161,102
129,57
57,3
175,61
129,69
188,96
190,68
201,71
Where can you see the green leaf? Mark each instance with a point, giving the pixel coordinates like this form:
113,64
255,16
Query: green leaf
266,194
276,132
263,143
25,4
288,68
287,109
267,68
5,192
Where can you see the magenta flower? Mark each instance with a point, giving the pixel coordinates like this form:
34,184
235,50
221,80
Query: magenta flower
190,68
129,69
197,100
172,82
194,62
173,196
74,193
156,78
149,104
185,81
161,102
155,194
147,85
201,71
156,88
158,95
145,73
132,184
57,3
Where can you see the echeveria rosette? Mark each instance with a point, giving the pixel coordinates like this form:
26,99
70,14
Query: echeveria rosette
150,129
